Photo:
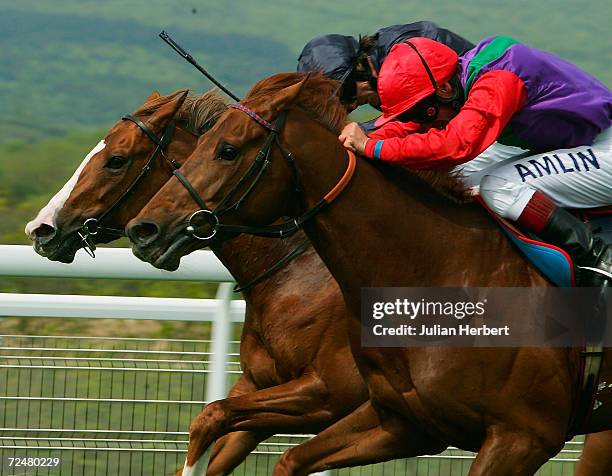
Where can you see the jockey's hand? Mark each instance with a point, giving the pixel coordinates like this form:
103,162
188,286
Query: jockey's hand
353,138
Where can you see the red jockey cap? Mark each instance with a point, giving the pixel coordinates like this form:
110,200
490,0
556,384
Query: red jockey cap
412,71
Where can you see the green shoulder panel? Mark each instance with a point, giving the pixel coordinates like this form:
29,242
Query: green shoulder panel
491,52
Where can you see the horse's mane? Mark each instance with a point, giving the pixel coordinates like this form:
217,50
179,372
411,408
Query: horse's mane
443,183
200,113
318,101
197,114
317,97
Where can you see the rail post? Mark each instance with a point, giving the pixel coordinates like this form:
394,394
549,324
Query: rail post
216,385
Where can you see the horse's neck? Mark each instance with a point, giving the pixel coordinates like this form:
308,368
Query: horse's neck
380,232
182,145
247,257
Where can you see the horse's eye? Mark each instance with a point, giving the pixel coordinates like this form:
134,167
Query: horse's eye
228,152
116,162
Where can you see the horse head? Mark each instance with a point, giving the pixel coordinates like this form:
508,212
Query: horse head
242,168
124,170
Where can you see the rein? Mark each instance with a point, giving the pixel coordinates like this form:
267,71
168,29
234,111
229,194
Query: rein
280,264
257,169
92,226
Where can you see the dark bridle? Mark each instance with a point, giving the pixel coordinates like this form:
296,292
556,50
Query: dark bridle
257,169
255,173
92,226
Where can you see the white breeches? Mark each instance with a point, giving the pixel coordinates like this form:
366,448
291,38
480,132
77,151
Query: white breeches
574,178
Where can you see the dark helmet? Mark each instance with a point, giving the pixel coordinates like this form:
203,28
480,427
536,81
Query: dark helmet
333,55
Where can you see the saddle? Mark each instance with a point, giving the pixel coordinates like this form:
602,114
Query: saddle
553,262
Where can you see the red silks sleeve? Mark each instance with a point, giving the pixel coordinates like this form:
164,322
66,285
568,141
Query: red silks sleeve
493,100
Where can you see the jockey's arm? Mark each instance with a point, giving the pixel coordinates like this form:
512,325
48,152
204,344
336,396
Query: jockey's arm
493,100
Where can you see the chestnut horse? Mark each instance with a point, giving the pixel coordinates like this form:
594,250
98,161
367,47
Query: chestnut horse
298,371
386,228
596,459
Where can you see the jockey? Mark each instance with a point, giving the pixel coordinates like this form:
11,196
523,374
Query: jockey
552,114
357,63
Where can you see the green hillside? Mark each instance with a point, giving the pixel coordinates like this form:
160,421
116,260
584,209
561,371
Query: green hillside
81,63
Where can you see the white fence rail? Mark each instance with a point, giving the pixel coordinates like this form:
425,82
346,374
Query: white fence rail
116,307
120,263
110,263
99,362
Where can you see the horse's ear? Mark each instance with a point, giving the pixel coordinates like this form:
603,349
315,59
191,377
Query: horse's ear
286,96
167,110
154,95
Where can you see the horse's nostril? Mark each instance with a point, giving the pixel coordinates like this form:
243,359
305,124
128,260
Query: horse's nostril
143,233
44,233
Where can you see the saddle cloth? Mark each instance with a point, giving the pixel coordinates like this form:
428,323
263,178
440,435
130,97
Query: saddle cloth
553,262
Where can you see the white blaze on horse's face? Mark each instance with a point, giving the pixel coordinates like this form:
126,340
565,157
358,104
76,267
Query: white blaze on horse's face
48,214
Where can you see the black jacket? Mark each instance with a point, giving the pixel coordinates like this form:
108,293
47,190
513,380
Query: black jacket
385,38
334,54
